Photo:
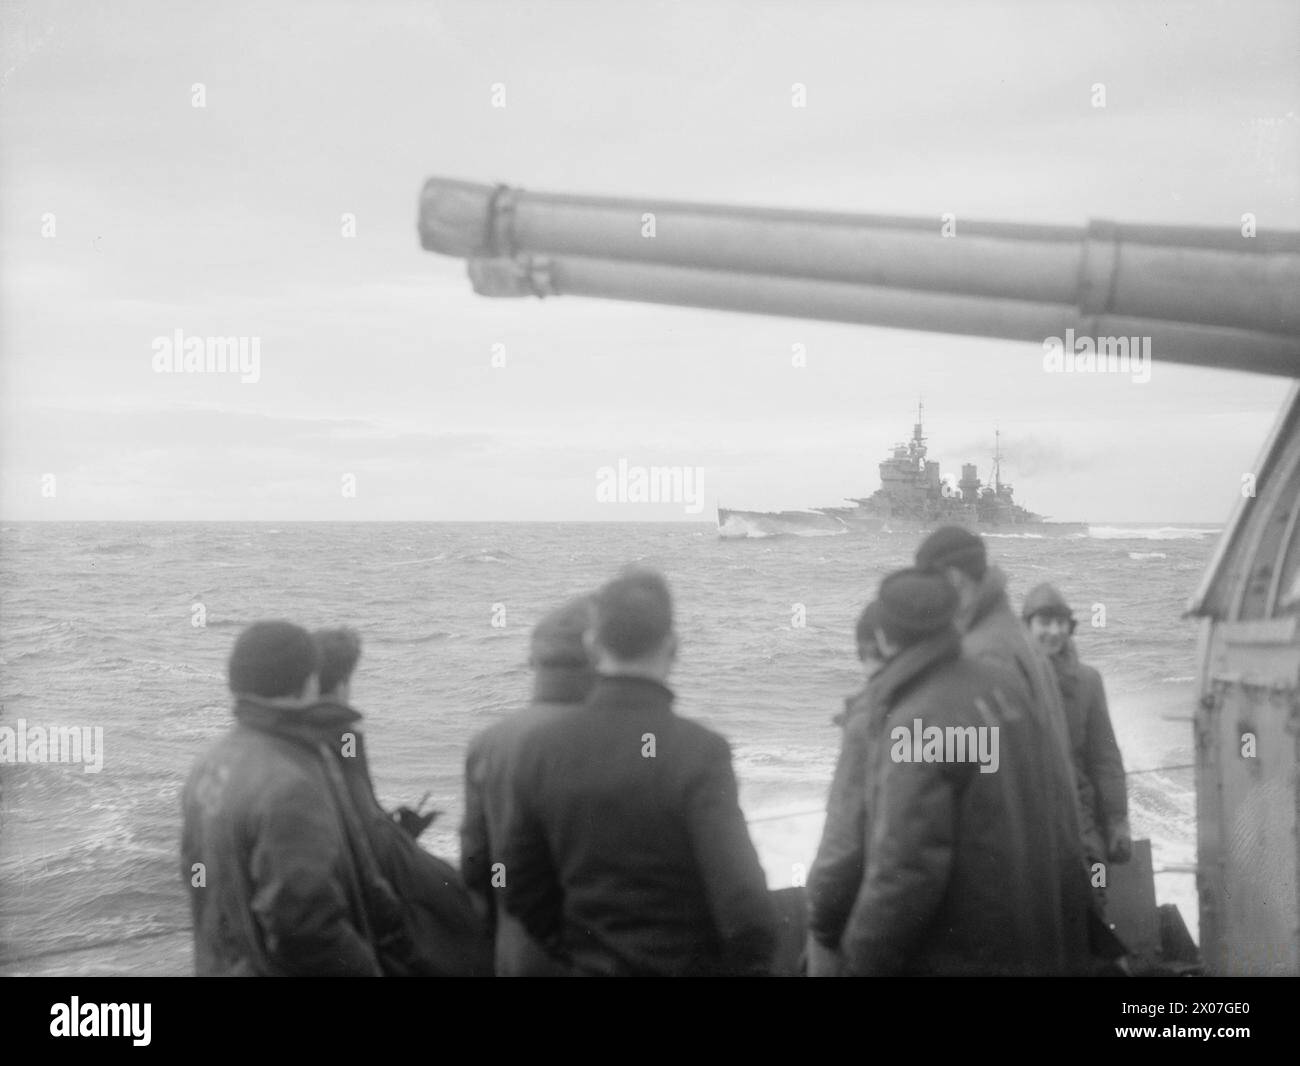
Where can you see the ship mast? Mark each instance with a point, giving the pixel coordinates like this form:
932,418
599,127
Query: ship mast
997,461
918,437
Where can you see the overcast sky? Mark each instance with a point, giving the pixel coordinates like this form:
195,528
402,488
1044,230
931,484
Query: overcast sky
376,357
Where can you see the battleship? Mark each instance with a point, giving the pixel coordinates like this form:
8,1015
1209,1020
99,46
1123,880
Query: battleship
913,497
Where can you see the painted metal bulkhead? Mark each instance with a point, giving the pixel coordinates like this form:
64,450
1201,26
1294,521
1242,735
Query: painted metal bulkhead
1248,723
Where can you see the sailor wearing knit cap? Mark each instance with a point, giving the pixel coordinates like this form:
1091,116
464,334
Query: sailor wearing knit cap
963,871
1098,765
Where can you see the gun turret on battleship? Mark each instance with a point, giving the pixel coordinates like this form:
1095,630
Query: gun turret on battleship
1204,297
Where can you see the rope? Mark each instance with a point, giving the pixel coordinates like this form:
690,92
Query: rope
787,814
1161,769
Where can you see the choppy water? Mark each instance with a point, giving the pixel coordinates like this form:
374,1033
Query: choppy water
96,630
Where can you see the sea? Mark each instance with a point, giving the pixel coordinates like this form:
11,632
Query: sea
127,626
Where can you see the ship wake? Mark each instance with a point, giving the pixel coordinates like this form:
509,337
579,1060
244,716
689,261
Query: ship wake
1151,533
759,526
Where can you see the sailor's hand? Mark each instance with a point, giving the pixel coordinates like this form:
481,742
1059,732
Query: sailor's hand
412,822
823,961
1119,842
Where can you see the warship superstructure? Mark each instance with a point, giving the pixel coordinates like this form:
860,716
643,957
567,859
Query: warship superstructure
914,496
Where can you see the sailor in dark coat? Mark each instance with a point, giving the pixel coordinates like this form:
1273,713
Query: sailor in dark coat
265,852
562,678
963,871
1098,765
836,873
437,931
626,852
991,633
989,627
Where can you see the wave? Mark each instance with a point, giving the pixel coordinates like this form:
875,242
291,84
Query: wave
1150,533
124,547
39,629
17,657
419,638
177,668
1147,555
1017,536
771,758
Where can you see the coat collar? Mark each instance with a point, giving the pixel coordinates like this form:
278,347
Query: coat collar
307,723
562,684
634,693
857,703
1066,661
911,663
989,597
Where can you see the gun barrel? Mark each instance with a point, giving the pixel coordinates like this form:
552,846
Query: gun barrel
1203,296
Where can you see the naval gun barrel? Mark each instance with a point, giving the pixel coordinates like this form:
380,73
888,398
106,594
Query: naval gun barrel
1203,296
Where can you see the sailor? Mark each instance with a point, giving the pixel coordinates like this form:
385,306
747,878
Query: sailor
992,633
265,851
868,655
962,869
626,852
437,930
1098,765
836,873
562,677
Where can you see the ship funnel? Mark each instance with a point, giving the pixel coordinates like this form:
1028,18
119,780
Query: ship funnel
1202,296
